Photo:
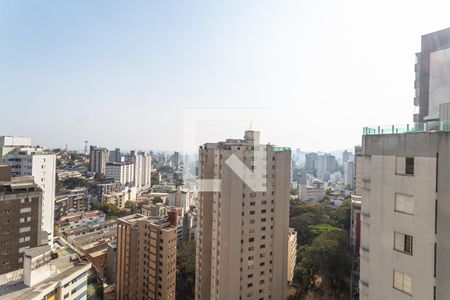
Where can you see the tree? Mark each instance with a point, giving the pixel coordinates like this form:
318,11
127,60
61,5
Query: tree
304,215
318,229
186,270
341,217
328,257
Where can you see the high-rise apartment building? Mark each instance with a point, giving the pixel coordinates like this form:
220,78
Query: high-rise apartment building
346,157
20,218
349,174
9,143
242,234
176,159
404,188
325,165
142,170
404,215
39,163
120,172
432,82
98,159
146,257
115,155
310,161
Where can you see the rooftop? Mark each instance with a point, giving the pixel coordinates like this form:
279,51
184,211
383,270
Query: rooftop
37,251
432,126
12,286
19,183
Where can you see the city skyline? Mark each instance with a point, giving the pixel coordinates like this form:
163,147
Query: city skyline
126,67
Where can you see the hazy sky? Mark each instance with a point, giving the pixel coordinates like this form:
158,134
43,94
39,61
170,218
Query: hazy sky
121,73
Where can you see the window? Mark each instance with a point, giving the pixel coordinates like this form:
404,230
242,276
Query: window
24,239
24,229
25,210
404,204
22,249
404,165
409,168
402,282
403,243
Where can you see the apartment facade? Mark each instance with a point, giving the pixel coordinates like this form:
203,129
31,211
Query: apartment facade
404,215
242,235
20,219
146,257
142,170
120,172
41,164
98,158
311,193
180,198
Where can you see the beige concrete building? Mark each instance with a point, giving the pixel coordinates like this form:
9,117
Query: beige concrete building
120,198
45,277
292,253
405,212
242,234
20,219
146,257
311,193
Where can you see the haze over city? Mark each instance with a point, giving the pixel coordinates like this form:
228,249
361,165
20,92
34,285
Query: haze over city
121,74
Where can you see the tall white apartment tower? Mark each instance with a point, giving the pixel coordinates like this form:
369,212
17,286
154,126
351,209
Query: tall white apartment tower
142,169
405,214
26,160
242,237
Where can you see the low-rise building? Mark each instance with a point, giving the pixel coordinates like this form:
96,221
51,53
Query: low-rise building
314,193
81,219
154,210
46,277
71,234
119,198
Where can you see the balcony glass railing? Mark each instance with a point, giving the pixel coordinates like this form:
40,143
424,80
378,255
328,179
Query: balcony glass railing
408,128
